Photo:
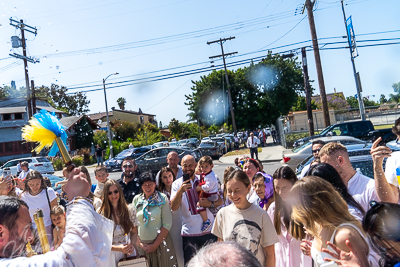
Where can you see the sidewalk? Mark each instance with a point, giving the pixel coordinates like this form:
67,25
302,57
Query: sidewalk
270,153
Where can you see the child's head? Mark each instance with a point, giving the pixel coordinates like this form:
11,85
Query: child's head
101,174
263,185
65,173
206,164
237,187
57,215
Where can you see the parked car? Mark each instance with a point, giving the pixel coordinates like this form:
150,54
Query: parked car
115,163
221,141
293,157
182,142
358,129
210,148
41,164
161,144
155,159
195,141
53,180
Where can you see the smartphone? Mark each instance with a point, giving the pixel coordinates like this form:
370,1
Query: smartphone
7,172
381,143
186,177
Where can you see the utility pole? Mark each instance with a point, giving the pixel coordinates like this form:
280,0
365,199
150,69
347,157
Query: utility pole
321,84
226,77
308,92
356,74
16,43
33,97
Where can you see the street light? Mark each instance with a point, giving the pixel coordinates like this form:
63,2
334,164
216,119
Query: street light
108,120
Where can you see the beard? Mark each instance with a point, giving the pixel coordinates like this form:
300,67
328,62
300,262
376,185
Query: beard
15,247
129,174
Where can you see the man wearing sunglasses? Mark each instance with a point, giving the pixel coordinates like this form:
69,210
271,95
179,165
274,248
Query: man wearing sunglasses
316,147
128,180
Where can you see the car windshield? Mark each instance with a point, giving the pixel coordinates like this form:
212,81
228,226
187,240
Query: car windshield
42,160
206,144
297,149
124,154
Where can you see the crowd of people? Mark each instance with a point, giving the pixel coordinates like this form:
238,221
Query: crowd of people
185,215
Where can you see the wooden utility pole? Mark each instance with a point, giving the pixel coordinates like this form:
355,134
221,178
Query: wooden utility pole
226,77
308,92
324,102
33,97
21,25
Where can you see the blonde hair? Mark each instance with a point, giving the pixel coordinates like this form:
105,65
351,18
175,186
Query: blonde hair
318,205
332,148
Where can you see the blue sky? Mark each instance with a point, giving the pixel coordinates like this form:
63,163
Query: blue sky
71,26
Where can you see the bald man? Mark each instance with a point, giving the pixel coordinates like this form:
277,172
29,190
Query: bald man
184,197
173,161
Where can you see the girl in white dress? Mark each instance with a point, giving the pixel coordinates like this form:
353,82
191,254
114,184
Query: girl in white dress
114,207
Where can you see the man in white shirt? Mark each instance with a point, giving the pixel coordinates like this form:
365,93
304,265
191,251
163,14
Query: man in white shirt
362,188
173,161
184,197
88,237
252,143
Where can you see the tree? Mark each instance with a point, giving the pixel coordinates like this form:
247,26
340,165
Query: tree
121,103
100,138
175,128
84,134
395,97
352,101
260,93
125,129
214,129
301,104
383,99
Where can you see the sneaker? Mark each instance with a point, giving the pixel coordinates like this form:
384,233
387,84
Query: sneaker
206,225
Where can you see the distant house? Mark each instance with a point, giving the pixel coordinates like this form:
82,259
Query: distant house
122,115
298,120
14,116
71,123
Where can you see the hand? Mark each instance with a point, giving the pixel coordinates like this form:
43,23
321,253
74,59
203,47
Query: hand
185,186
77,185
6,185
305,247
379,152
20,183
151,248
204,203
126,249
346,259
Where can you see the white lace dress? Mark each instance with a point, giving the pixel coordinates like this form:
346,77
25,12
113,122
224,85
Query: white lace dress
119,238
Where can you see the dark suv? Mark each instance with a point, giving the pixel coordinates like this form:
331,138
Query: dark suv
115,163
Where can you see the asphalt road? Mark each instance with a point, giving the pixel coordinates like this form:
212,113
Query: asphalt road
218,169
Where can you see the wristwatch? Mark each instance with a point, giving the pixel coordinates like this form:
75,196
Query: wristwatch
212,204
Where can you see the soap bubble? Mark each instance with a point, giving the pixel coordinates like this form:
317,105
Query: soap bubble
171,257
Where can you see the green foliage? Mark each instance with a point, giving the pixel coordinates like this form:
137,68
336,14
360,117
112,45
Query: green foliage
301,104
58,163
121,103
100,138
260,93
370,103
292,137
214,129
77,160
383,99
336,102
125,129
396,87
175,128
85,153
84,134
352,101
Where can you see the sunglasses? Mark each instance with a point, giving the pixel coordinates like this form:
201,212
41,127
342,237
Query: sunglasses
316,150
128,166
111,192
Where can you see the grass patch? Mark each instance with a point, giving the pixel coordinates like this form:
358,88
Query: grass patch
241,152
384,126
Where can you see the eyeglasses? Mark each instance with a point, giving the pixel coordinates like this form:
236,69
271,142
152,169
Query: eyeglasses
111,192
128,166
316,150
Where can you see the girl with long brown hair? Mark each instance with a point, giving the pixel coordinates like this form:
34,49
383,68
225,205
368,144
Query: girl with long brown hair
287,251
114,207
325,216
